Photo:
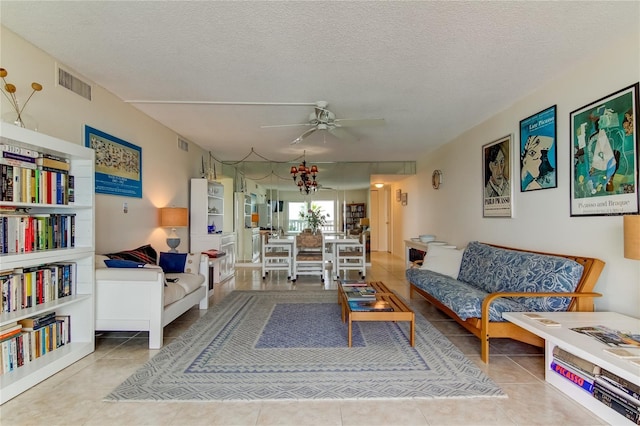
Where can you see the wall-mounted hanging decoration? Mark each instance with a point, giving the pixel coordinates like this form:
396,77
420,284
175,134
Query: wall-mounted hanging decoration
538,152
496,192
118,164
604,151
404,198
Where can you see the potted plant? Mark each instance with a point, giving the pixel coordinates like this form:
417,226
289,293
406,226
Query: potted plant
314,218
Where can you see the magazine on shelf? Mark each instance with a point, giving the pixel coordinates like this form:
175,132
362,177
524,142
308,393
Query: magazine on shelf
610,336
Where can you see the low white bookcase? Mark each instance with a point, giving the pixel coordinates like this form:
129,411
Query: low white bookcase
585,347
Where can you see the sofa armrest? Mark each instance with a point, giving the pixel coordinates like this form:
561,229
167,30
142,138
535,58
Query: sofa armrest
129,274
493,296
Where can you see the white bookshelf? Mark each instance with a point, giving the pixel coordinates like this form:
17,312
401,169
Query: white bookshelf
79,306
207,208
585,347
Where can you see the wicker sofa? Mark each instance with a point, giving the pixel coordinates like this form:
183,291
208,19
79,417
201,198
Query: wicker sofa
493,279
147,298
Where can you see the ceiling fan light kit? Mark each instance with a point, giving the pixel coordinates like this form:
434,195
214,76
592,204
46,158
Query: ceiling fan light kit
323,119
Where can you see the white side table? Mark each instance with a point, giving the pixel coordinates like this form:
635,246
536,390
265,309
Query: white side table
585,347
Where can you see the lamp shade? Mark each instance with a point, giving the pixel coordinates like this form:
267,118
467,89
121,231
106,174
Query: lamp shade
364,221
632,237
174,217
255,217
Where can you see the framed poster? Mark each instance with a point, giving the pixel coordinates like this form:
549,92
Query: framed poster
604,149
118,164
538,154
496,190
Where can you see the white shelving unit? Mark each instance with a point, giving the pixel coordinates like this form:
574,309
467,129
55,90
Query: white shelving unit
585,347
79,306
208,209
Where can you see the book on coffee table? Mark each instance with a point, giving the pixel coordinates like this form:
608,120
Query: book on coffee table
353,283
360,293
370,306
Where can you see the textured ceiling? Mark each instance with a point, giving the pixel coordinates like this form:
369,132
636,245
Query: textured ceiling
432,70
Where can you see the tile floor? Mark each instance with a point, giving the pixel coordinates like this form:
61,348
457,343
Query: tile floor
74,395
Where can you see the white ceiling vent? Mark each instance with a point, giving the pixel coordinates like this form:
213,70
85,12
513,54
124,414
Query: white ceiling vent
65,79
183,144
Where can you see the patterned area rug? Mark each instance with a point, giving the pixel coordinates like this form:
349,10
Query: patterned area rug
292,345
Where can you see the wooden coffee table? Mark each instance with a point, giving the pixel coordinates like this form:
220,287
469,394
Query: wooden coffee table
401,312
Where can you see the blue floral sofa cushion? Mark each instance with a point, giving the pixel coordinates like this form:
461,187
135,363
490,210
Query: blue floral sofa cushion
485,269
494,270
462,298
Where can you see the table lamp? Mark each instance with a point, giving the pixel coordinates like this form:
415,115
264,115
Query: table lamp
174,217
364,223
631,226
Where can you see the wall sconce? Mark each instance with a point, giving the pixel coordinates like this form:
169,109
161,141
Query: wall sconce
631,226
174,217
398,194
404,198
378,185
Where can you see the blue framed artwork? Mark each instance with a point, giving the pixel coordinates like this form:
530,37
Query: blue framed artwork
538,153
118,164
604,150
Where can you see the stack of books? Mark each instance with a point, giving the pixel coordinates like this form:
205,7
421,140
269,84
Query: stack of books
608,388
360,293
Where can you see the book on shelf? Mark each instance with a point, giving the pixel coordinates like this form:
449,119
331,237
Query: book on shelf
52,163
18,150
38,321
618,403
580,379
370,306
9,330
631,388
575,361
610,336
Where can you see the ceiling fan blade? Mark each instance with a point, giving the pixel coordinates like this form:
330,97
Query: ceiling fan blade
355,122
341,133
285,125
304,135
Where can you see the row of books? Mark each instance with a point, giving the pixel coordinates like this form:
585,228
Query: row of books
26,340
29,176
28,287
23,233
39,185
616,392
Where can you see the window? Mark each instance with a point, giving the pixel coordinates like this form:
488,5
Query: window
296,224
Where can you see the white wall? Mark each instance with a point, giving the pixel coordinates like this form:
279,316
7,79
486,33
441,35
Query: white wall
542,218
61,113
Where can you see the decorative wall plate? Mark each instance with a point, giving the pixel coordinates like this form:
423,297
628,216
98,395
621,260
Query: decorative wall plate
436,179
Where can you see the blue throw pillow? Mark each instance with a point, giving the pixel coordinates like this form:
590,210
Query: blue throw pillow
121,263
173,263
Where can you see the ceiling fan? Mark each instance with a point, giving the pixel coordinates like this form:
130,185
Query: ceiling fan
323,119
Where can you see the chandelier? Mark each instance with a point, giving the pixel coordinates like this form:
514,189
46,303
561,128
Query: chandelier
307,179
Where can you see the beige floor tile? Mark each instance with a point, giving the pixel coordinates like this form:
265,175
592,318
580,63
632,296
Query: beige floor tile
542,404
135,413
295,413
369,413
480,411
503,370
217,414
